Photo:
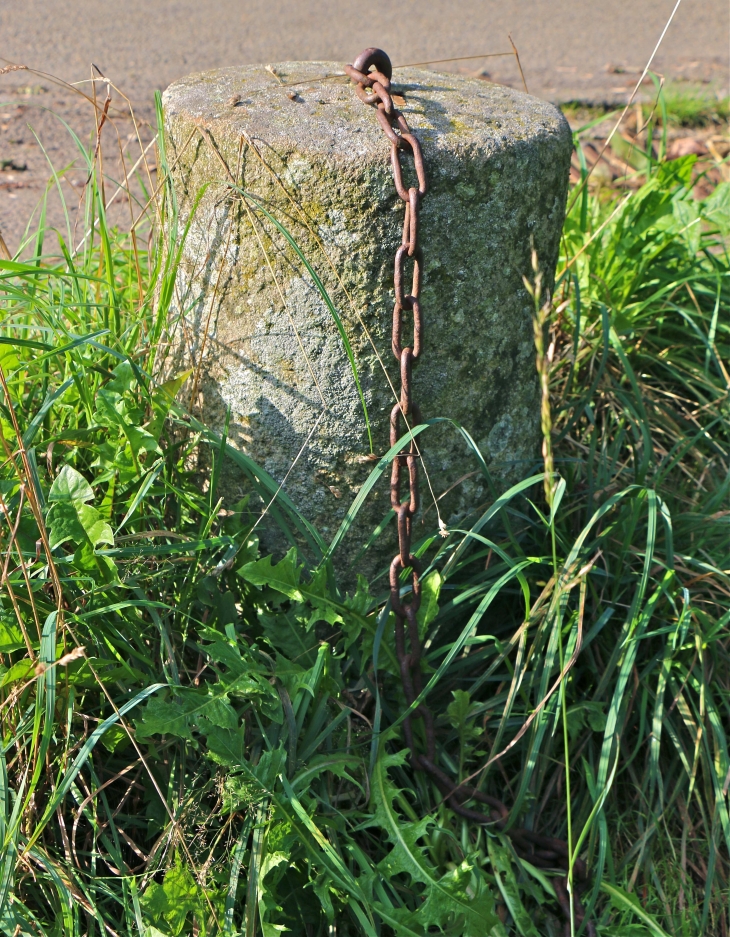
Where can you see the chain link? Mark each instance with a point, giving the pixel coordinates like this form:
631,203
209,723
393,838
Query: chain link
372,72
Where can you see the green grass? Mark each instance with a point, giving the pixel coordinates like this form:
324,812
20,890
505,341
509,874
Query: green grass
200,739
695,105
681,104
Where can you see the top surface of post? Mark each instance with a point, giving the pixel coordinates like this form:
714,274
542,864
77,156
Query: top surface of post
313,105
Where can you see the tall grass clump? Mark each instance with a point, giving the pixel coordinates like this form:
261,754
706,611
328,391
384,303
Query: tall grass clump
201,739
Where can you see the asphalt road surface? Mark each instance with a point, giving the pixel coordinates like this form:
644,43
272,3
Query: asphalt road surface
591,50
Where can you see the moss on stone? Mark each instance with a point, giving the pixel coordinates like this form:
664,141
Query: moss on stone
497,162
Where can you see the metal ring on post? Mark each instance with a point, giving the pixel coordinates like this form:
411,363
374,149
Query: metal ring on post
367,79
379,94
376,57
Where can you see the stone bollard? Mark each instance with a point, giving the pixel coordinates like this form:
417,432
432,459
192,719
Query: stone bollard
252,317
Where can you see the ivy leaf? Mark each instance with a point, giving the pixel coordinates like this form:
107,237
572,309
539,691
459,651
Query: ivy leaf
70,517
85,558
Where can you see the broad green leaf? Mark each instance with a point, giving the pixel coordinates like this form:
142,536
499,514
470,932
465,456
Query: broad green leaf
70,485
430,590
174,899
9,359
20,671
163,399
716,207
76,521
226,746
291,634
124,378
11,637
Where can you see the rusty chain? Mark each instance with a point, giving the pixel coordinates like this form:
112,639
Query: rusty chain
372,72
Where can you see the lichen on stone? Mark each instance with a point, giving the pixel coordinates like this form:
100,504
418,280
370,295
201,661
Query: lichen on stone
269,350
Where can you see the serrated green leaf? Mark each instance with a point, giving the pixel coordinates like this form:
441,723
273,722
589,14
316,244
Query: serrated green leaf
111,411
458,710
162,400
501,860
291,635
188,711
226,746
628,902
174,899
124,378
446,901
284,576
339,765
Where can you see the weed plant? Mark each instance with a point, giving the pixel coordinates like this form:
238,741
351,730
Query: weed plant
199,739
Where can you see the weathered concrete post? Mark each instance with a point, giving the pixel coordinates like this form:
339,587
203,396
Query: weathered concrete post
317,161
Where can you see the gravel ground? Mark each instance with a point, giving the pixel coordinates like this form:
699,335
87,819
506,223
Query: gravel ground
569,50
